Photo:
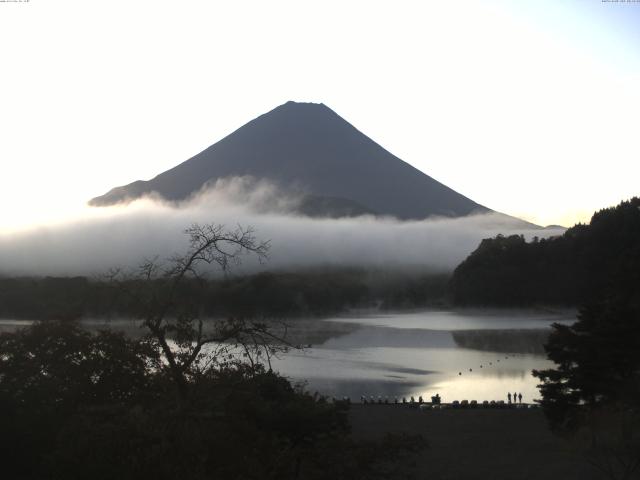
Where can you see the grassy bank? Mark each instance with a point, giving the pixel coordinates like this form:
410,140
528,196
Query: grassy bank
476,444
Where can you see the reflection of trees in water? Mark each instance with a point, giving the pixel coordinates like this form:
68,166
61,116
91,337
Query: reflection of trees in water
299,331
317,332
508,341
355,388
512,374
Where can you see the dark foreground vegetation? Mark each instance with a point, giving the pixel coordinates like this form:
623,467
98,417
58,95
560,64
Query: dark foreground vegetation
79,405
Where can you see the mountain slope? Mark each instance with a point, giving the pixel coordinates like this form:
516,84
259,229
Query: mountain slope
311,148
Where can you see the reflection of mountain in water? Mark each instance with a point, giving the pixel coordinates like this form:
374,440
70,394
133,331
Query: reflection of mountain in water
511,341
372,337
315,332
356,387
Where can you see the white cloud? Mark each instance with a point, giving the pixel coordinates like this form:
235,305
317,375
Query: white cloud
123,236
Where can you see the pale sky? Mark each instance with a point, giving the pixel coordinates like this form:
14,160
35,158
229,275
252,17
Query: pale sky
527,107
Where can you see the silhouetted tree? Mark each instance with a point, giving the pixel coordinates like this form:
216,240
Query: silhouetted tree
597,362
48,372
172,313
595,384
77,405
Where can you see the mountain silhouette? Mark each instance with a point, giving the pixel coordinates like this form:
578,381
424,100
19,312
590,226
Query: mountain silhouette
309,147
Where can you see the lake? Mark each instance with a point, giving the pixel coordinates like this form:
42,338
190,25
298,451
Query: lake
473,355
468,354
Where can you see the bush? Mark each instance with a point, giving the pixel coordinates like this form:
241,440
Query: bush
77,405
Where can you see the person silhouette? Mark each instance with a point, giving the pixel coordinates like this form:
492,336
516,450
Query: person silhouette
520,397
515,397
509,397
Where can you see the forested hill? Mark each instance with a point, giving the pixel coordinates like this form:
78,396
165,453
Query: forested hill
267,294
563,270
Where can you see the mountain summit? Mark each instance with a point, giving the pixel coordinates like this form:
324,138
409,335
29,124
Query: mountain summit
309,147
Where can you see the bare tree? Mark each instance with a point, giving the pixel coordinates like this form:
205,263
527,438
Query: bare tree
161,292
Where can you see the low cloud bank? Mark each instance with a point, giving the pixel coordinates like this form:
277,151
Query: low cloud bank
122,236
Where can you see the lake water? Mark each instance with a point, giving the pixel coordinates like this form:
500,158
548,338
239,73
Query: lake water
472,355
419,353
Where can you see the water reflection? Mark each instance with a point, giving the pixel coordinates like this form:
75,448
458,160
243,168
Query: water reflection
405,354
466,319
469,355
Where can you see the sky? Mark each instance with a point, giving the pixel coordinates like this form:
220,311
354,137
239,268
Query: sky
529,108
